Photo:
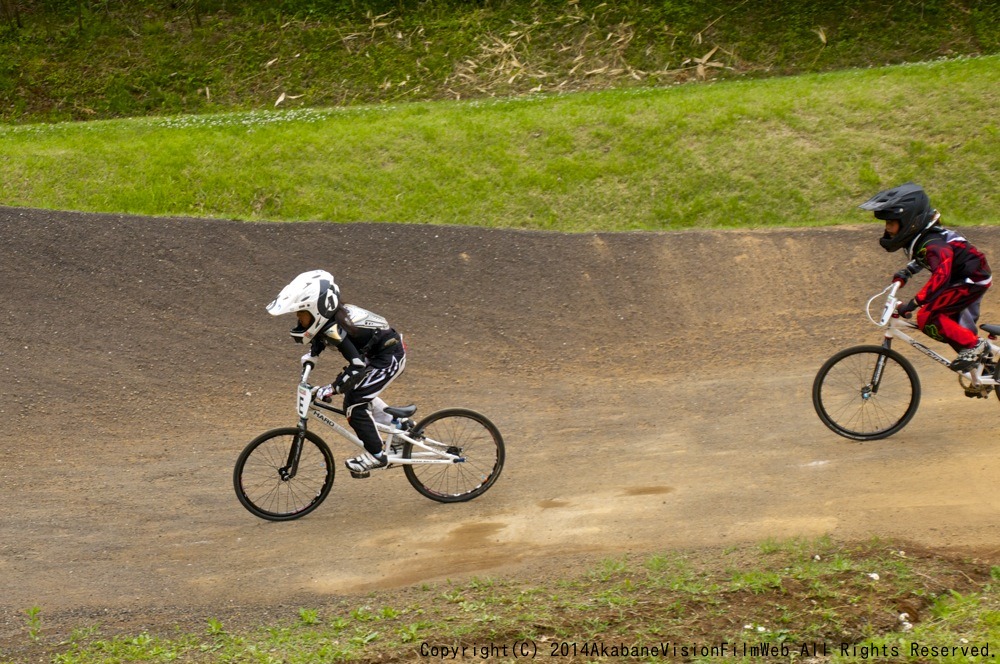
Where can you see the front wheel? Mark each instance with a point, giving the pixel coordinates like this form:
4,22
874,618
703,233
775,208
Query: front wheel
283,474
866,392
465,434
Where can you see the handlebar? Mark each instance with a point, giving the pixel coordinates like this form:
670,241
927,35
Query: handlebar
306,392
889,308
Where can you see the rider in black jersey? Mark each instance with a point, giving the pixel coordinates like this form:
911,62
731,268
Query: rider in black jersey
375,354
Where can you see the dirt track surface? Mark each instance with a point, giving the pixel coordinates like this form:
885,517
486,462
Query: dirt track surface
653,390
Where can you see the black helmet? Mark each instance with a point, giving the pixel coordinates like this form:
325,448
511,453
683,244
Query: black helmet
909,204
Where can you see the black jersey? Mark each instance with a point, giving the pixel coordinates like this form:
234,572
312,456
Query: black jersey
358,334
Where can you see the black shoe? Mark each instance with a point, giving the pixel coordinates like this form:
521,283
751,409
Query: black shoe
969,357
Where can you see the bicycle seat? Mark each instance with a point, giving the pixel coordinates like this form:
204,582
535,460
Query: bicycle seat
404,411
992,329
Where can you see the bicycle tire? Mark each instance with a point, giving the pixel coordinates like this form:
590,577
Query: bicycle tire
468,434
996,377
846,403
262,490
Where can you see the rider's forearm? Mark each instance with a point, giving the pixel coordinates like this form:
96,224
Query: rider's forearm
349,350
911,268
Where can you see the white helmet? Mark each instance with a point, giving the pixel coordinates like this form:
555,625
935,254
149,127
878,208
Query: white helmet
315,292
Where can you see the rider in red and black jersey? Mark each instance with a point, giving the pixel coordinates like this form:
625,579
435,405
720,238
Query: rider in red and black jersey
949,301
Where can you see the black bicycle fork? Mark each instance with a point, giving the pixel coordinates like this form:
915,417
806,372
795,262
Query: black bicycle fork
291,467
872,387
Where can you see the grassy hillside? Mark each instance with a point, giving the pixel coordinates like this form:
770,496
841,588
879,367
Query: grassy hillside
293,110
792,601
93,59
776,152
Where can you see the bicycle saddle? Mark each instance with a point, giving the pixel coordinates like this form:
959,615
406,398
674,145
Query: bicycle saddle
404,411
992,329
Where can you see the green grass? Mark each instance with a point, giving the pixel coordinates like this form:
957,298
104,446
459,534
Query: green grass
777,152
795,599
96,59
570,118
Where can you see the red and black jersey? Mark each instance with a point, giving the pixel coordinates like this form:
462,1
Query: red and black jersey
951,261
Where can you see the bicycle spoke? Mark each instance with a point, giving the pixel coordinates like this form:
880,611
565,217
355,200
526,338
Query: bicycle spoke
466,435
850,403
268,491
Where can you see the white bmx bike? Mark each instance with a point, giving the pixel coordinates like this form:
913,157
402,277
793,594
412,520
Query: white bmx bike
871,392
450,456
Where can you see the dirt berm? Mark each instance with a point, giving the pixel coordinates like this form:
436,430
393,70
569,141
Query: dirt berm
653,390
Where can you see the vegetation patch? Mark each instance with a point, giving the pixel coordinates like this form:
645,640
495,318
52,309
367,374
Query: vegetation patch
93,59
794,151
790,600
565,116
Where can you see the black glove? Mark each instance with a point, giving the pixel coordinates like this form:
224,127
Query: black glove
906,310
902,277
349,377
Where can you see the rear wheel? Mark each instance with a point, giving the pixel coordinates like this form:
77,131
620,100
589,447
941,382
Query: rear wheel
866,392
993,369
465,434
270,487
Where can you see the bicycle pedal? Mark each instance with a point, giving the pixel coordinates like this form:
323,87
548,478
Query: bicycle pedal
360,476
